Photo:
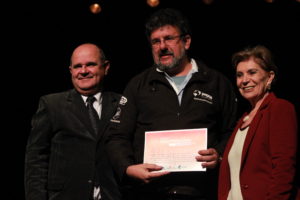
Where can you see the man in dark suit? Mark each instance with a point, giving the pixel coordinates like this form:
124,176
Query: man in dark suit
65,158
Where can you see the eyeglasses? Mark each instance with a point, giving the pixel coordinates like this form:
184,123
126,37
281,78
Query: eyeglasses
168,40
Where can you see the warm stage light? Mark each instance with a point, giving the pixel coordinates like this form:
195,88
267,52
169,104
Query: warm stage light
153,3
208,2
95,8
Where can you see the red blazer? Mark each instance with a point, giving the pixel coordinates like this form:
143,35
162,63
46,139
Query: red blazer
269,153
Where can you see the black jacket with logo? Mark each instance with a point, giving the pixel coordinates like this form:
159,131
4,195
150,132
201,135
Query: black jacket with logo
151,104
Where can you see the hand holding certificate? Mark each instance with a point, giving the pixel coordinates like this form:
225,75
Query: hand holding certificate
175,150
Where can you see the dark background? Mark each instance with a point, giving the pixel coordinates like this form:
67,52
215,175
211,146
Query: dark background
42,35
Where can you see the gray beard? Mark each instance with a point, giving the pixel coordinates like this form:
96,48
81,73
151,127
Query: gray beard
165,68
176,62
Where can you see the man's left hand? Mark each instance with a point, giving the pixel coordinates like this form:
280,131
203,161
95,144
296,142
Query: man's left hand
209,157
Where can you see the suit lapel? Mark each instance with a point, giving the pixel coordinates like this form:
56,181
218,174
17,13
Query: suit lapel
254,125
250,136
78,108
109,103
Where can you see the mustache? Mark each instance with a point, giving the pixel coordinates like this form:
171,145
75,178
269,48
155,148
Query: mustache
165,53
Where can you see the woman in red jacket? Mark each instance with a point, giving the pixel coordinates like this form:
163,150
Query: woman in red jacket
260,157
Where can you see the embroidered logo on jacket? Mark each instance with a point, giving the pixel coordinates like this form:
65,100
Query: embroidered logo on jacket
116,117
123,101
201,96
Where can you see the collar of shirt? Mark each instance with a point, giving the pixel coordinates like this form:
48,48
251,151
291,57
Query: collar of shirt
178,90
98,97
98,105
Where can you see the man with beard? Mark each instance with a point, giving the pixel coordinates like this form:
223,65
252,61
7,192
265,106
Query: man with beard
178,92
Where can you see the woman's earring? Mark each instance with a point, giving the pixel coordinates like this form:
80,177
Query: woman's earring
268,87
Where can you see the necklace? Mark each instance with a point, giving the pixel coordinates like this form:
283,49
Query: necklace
254,110
246,118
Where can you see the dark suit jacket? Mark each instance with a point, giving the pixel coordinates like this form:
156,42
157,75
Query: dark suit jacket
64,156
269,153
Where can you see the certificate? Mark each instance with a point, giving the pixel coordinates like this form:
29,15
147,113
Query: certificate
175,150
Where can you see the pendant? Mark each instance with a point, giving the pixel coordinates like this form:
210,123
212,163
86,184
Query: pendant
246,118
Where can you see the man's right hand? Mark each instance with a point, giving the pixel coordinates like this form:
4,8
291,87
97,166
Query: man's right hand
145,172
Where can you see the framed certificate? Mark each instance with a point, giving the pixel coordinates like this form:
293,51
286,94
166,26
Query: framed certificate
175,150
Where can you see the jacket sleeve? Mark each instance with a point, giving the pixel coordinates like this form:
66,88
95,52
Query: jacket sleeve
121,133
283,148
37,155
228,117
